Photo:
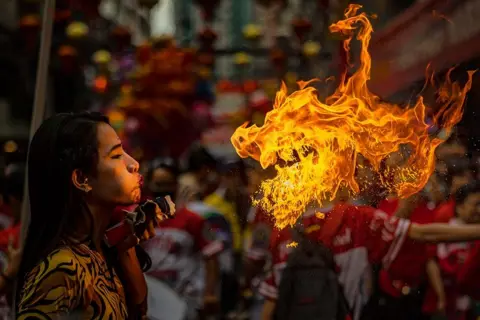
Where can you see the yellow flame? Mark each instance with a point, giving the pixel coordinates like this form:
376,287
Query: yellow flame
314,145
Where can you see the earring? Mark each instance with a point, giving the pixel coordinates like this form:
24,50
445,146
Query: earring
86,187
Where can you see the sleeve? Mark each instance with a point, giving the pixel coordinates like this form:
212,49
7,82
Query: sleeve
204,237
51,290
468,275
383,235
257,249
268,287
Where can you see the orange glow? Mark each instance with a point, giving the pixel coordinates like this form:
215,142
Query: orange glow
100,84
314,145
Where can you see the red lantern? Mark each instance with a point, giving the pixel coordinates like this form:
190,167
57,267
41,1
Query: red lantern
207,38
206,59
301,27
278,58
208,8
68,59
144,53
30,29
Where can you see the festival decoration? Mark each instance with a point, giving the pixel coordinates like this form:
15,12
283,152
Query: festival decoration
29,27
278,58
242,59
102,57
301,27
68,57
77,30
311,49
314,145
252,33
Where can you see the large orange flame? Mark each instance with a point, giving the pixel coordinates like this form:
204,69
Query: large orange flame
315,144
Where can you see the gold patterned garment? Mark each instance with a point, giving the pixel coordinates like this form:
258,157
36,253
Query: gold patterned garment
73,281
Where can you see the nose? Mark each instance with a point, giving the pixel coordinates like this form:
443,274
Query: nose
133,165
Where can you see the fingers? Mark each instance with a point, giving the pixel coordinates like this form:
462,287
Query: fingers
128,243
171,204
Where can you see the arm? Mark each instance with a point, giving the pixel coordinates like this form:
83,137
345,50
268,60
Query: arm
134,282
442,232
435,279
212,275
268,309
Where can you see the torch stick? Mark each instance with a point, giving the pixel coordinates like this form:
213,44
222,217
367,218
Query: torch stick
39,104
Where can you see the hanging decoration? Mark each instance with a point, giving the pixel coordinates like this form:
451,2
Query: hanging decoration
77,30
278,58
252,33
68,58
301,27
242,59
29,27
311,49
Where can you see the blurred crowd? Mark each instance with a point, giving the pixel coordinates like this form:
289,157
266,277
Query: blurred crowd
221,257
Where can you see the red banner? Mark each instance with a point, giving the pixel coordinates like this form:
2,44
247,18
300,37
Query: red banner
442,33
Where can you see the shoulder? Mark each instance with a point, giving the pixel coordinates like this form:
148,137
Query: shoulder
55,279
60,265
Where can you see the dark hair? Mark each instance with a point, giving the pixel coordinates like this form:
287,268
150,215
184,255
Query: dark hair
63,143
201,158
462,194
168,164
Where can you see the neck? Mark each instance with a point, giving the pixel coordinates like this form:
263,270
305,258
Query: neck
101,219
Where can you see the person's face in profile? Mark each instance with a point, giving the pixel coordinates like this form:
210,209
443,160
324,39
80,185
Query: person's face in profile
117,181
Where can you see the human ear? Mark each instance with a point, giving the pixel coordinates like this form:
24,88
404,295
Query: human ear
80,181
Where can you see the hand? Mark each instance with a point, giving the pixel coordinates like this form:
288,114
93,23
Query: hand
147,229
14,256
441,306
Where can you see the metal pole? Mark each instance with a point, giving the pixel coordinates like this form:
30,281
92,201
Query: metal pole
39,104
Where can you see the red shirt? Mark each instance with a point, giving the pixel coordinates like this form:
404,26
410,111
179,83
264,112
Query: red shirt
260,224
468,275
409,267
450,257
445,211
357,236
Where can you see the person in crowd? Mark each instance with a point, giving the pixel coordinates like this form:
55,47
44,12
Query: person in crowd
225,200
451,256
78,173
401,285
184,251
200,180
358,237
459,173
13,197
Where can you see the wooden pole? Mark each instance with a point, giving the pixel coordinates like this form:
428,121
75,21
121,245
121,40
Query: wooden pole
39,105
38,111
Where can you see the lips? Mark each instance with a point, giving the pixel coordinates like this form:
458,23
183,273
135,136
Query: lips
140,181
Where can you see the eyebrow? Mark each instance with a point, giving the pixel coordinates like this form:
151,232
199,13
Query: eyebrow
117,146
